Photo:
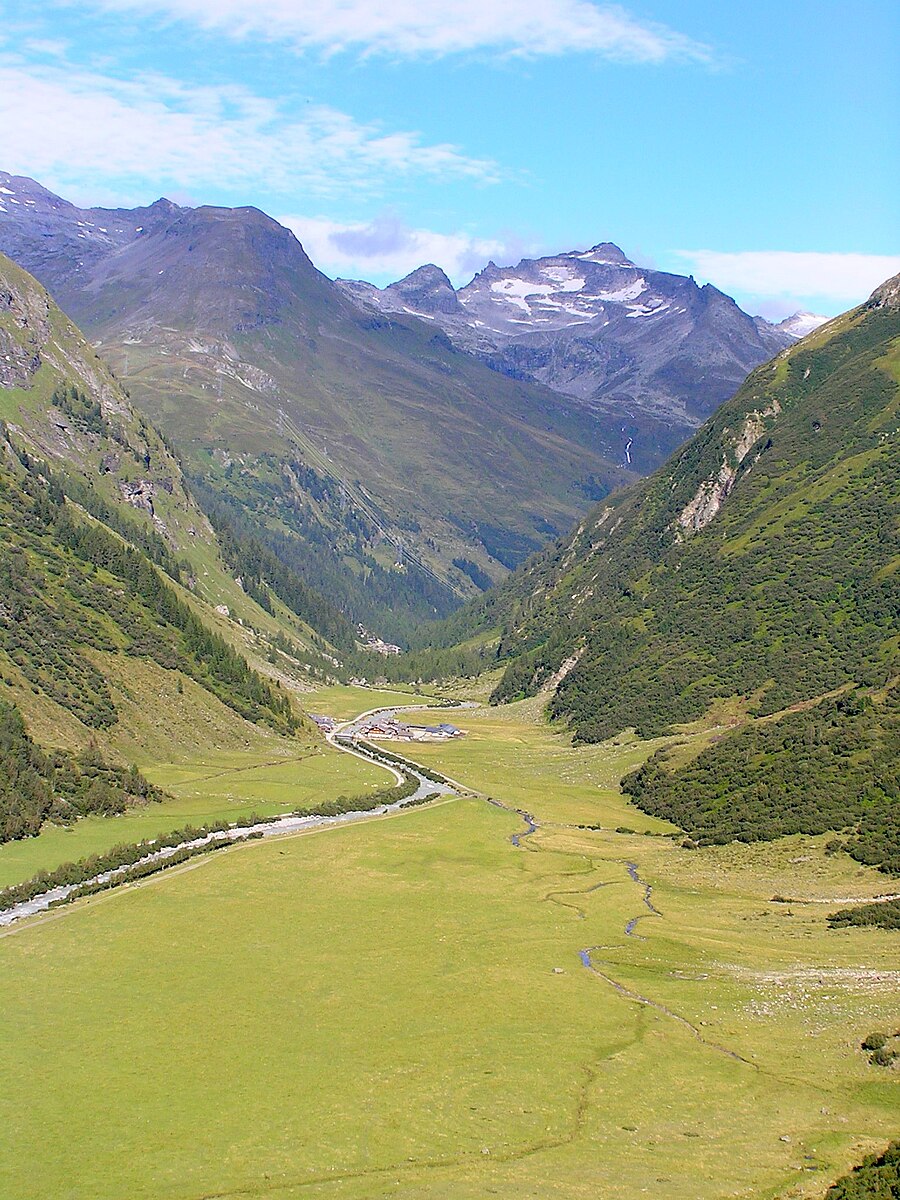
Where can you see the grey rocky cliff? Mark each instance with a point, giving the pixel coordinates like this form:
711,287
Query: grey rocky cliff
23,335
886,295
650,353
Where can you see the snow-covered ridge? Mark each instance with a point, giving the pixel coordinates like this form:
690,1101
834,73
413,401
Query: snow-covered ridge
570,289
642,349
801,323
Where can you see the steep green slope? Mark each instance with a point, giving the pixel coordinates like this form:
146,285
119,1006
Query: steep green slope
69,585
107,563
759,562
759,567
834,765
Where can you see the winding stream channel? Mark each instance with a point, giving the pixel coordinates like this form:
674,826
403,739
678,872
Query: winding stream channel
589,954
348,738
344,738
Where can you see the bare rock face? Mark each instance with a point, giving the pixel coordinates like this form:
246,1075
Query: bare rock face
139,494
426,291
713,492
886,295
23,333
709,498
650,352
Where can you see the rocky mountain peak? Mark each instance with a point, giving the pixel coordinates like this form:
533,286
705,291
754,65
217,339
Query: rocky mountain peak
426,291
886,295
164,205
604,253
429,273
648,352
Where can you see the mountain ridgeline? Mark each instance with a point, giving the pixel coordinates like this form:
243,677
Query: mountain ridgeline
364,449
648,353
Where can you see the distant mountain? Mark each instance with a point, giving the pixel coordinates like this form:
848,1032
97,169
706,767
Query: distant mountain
801,323
363,448
649,353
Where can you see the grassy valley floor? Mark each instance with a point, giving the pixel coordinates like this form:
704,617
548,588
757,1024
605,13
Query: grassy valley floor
418,1007
221,785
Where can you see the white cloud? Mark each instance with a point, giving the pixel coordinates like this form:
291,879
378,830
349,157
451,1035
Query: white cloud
424,27
78,124
47,47
386,249
842,279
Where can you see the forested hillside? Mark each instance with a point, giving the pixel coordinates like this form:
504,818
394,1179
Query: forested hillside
68,585
36,786
114,585
760,561
876,1178
833,766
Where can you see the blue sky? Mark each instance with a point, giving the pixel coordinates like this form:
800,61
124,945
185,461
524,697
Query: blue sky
753,145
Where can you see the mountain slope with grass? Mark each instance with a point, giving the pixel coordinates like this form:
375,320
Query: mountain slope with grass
760,561
115,591
361,448
758,567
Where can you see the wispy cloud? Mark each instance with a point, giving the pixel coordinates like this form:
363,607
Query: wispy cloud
386,248
842,279
414,28
78,124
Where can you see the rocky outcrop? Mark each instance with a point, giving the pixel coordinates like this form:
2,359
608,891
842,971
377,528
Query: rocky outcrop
712,493
139,494
886,295
24,330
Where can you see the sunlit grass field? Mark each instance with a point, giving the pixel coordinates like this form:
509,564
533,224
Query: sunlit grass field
345,701
218,786
400,1008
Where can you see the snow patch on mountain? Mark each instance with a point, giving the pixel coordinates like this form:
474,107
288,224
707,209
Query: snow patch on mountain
801,323
519,291
624,341
653,309
621,295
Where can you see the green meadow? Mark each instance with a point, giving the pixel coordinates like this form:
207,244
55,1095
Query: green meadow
400,1007
345,701
222,785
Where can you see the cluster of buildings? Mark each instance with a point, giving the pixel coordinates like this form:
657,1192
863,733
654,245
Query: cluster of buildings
372,642
388,729
391,730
